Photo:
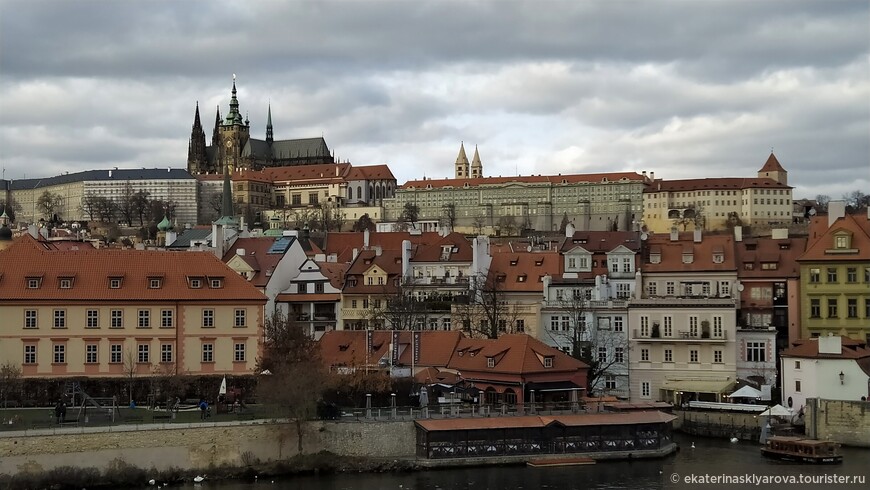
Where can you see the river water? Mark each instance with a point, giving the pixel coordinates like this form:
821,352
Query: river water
711,457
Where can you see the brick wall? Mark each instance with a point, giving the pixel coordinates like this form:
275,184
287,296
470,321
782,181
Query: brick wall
199,447
846,422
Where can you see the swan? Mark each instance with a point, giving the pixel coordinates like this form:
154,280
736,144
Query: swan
734,439
198,479
152,481
693,445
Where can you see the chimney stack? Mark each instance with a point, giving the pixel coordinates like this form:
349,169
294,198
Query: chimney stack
738,233
836,210
697,236
675,234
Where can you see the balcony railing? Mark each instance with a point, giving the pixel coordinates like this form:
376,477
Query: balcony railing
680,336
589,304
456,281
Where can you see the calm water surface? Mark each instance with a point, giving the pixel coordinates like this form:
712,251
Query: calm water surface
711,456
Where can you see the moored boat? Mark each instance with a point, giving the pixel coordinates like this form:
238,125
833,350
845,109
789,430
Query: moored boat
802,450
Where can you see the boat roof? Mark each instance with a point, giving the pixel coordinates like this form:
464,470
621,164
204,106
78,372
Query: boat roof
800,440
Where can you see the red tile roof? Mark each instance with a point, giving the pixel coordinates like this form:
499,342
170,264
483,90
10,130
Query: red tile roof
857,225
348,347
719,183
523,271
257,257
342,243
390,261
783,252
513,354
809,348
370,172
523,179
93,268
772,165
602,241
335,272
430,251
671,253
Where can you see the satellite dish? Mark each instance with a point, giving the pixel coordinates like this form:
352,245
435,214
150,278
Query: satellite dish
740,287
644,236
812,211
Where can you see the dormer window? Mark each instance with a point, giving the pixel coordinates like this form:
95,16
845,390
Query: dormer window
114,283
521,278
514,261
490,362
195,283
33,283
154,283
718,258
539,262
688,257
65,283
216,283
548,362
842,241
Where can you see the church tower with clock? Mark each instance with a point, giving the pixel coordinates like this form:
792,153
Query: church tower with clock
232,147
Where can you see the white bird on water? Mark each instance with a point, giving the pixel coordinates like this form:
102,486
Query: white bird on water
198,479
152,481
693,445
734,439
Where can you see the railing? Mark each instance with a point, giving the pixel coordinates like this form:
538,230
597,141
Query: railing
456,280
569,303
681,335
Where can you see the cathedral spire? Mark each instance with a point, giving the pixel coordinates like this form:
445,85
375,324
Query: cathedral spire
215,135
196,155
269,137
476,165
227,197
461,165
234,117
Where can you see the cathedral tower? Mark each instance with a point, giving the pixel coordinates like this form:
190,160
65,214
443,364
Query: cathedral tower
461,165
773,170
234,133
476,165
197,160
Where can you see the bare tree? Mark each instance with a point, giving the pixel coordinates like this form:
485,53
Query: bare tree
399,308
479,223
448,217
364,223
330,216
49,204
822,200
485,310
98,207
857,200
130,369
125,204
298,376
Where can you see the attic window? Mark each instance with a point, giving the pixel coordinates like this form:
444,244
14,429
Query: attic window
539,262
688,257
490,362
115,283
343,347
784,246
33,282
66,282
548,362
521,278
216,282
718,258
514,261
655,258
842,241
500,278
154,283
196,283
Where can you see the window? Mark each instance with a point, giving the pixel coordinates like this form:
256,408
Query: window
609,383
296,199
725,288
644,326
623,290
445,324
29,354
627,264
154,283
852,308
670,287
33,283
144,319
693,326
548,362
65,283
866,307
208,318
117,318
92,319
668,322
572,263
521,326
644,354
195,283
502,325
490,362
761,293
115,283
91,354
144,353
693,355
614,265
815,275
216,283
59,318
644,389
312,198
815,308
717,327
756,352
602,355
619,354
832,308
30,319
841,241
59,354
318,288
207,352
717,356
166,319
554,323
165,352
797,386
239,352
669,355
852,274
241,318
832,274
617,324
652,289
353,304
797,364
115,354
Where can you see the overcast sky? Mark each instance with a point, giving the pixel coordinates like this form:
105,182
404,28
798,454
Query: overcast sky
682,88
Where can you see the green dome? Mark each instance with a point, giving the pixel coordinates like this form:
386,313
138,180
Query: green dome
164,225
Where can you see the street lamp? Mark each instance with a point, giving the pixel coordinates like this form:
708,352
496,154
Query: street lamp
842,377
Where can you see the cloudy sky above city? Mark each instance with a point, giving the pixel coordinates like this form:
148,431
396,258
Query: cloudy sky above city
684,89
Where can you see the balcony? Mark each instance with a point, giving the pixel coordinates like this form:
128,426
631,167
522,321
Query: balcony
568,303
440,281
679,336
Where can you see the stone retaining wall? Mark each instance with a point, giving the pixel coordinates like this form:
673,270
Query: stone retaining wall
846,422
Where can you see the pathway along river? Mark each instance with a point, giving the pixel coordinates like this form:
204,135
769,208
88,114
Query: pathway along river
710,456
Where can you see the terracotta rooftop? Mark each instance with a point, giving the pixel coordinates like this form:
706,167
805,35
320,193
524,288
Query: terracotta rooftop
772,165
370,172
348,347
524,271
91,270
809,348
432,251
335,272
764,250
513,354
390,261
857,226
524,179
702,253
257,256
342,243
602,241
719,183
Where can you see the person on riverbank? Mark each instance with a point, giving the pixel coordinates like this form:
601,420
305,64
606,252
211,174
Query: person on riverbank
203,408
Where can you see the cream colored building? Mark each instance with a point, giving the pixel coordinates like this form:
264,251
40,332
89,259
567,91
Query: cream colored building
91,313
507,205
717,203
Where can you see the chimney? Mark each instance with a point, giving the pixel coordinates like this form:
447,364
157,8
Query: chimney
355,253
378,250
675,234
738,233
832,344
652,176
569,230
836,210
365,239
240,252
406,258
110,174
697,236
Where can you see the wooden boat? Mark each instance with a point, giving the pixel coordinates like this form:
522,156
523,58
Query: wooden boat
802,450
540,463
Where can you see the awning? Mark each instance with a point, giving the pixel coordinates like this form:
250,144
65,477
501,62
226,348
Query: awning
777,411
746,392
553,386
698,385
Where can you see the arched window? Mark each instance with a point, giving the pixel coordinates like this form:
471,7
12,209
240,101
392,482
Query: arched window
350,193
491,396
359,195
510,397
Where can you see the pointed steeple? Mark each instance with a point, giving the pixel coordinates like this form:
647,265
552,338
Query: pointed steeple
234,117
462,158
476,159
227,198
773,170
269,137
476,165
196,156
215,135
